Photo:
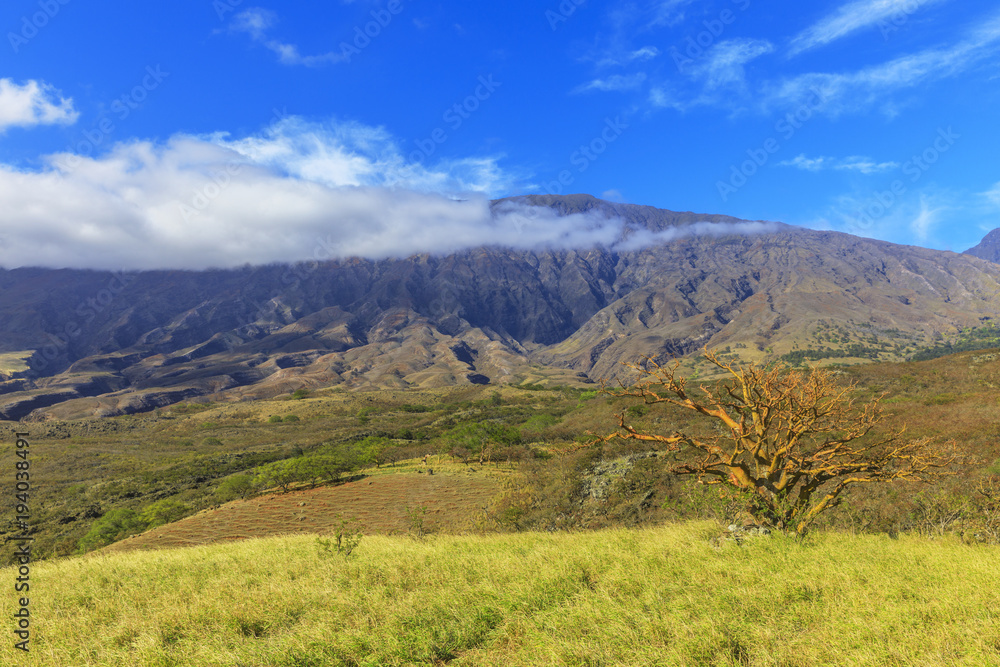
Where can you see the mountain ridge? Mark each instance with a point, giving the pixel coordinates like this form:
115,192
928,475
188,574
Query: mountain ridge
104,344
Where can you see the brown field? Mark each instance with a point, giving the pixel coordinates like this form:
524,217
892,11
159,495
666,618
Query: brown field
375,504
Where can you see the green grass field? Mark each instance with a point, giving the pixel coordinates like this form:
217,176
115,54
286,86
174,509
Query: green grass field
662,596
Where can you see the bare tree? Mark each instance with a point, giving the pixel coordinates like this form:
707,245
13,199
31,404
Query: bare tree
792,441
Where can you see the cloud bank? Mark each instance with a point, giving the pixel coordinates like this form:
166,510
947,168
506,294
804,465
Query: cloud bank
298,191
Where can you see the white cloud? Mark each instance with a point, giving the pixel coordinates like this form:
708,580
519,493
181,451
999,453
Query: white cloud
724,65
615,83
859,163
661,97
33,103
644,238
352,154
665,12
850,18
256,23
923,224
296,192
625,22
994,194
645,53
804,163
842,92
864,165
718,78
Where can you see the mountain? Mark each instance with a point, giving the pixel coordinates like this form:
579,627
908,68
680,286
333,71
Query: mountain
82,343
988,248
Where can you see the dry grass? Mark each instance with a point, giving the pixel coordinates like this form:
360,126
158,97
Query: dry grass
659,596
14,362
451,497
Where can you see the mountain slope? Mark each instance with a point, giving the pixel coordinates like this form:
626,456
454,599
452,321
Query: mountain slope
100,344
988,248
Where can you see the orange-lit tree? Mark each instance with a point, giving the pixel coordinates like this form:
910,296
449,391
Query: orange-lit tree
793,441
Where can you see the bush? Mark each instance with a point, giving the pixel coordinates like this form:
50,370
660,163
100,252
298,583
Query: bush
275,419
344,541
299,394
291,419
638,410
164,511
112,527
537,423
211,442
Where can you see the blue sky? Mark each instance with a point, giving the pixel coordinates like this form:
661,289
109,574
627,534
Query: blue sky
196,133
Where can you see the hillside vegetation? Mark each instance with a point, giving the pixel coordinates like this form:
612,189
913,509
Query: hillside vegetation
662,596
101,481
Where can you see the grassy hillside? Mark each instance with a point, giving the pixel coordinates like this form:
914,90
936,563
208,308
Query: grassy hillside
662,596
384,501
187,455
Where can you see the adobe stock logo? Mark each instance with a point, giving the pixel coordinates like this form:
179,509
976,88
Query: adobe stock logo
587,154
31,25
455,116
793,121
565,10
881,202
697,46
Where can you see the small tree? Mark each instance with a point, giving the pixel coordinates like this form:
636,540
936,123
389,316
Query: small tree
792,441
236,486
372,450
282,474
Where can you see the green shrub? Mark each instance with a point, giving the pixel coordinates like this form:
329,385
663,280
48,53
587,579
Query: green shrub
112,527
344,541
475,437
638,410
211,442
291,419
275,419
164,511
299,394
538,422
